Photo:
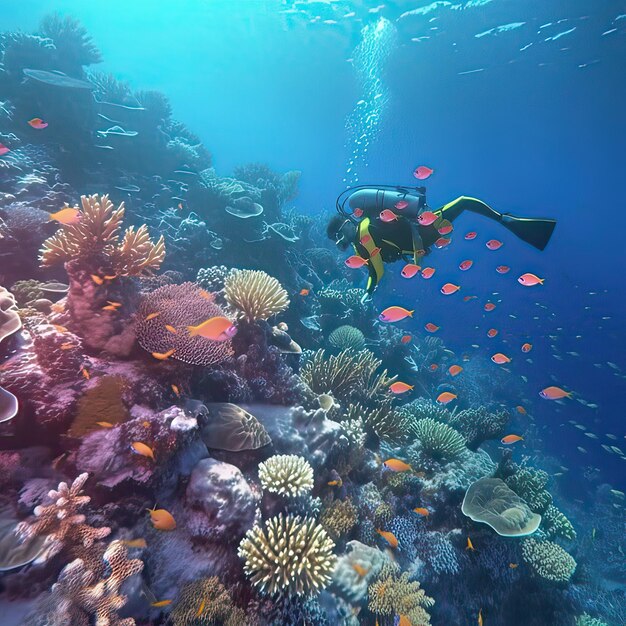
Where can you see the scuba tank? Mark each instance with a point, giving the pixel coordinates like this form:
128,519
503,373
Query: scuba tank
373,199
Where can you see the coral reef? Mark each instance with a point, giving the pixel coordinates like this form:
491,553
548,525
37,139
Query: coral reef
286,474
548,560
254,294
438,440
347,338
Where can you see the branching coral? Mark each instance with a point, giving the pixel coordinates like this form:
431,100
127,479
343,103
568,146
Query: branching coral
71,40
212,278
587,620
440,441
479,424
393,593
555,524
529,484
96,235
339,517
254,294
291,556
347,338
386,423
548,560
177,307
286,474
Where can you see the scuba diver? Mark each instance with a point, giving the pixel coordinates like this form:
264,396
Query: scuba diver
383,225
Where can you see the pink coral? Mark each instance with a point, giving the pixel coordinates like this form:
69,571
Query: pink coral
180,306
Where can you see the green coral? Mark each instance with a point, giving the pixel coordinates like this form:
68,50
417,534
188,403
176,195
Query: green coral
421,408
529,484
548,560
27,291
440,441
555,524
586,620
347,338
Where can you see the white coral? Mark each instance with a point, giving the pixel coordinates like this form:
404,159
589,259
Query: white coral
286,474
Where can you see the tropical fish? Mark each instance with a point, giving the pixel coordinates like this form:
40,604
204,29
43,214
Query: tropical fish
427,218
530,280
493,244
205,294
110,277
445,228
401,204
360,570
500,358
68,345
480,617
455,370
175,389
335,483
394,314
215,328
554,393
161,356
355,261
37,123
406,338
105,424
467,298
357,212
431,328
433,367
97,279
420,510
520,409
422,172
442,242
67,216
492,332
142,449
389,537
161,603
4,149
502,269
509,439
151,316
512,565
109,307
428,272
374,252
400,387
326,401
85,372
471,235
490,306
201,607
449,289
304,292
409,270
445,397
397,465
135,543
117,305
387,215
527,347
465,265
162,519
470,545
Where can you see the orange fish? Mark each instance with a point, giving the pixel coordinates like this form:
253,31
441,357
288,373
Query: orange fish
433,367
117,305
335,483
467,298
68,345
85,372
360,570
404,621
201,607
428,272
480,617
161,356
389,537
105,424
57,307
161,603
409,270
465,265
455,370
554,393
492,332
493,244
59,328
67,216
175,389
215,328
304,292
470,545
110,277
396,465
406,338
520,409
37,123
171,329
530,280
142,449
205,294
509,439
109,307
527,347
420,510
151,316
145,424
500,358
97,279
512,565
162,519
445,397
355,261
490,306
442,242
394,314
449,288
135,543
471,235
400,387
431,328
502,269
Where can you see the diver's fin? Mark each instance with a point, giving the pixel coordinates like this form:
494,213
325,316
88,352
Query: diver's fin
532,230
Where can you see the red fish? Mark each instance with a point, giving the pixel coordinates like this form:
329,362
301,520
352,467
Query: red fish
400,387
509,439
445,227
471,235
442,242
4,149
428,272
530,280
445,397
527,347
410,270
401,204
304,292
406,339
493,244
355,261
492,332
427,218
502,269
394,314
386,215
554,393
422,172
500,358
431,328
467,298
357,212
433,367
449,289
490,306
37,123
455,370
465,265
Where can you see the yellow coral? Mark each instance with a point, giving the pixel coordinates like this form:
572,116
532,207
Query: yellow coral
254,294
97,233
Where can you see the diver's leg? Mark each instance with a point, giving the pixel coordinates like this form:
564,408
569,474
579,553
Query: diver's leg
453,209
418,244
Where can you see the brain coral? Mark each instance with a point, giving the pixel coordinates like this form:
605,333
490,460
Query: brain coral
254,294
548,560
286,474
291,556
179,306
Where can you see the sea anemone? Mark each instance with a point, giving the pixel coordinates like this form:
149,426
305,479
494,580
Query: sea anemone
286,474
254,294
440,441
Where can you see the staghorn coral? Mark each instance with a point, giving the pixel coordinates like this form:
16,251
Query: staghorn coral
555,524
96,236
180,306
440,441
291,556
286,474
548,560
254,294
393,593
347,338
214,598
529,484
339,517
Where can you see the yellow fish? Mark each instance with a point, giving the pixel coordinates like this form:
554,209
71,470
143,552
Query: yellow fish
512,565
161,356
96,279
470,545
215,328
161,603
397,465
105,424
162,519
152,316
171,329
67,216
135,543
142,449
85,372
480,617
201,608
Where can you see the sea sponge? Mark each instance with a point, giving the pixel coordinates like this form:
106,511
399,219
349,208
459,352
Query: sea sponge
489,500
97,234
291,556
254,294
529,483
180,306
286,474
339,517
555,524
347,338
440,441
548,560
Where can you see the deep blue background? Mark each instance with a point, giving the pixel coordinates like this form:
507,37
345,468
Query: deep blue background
532,134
